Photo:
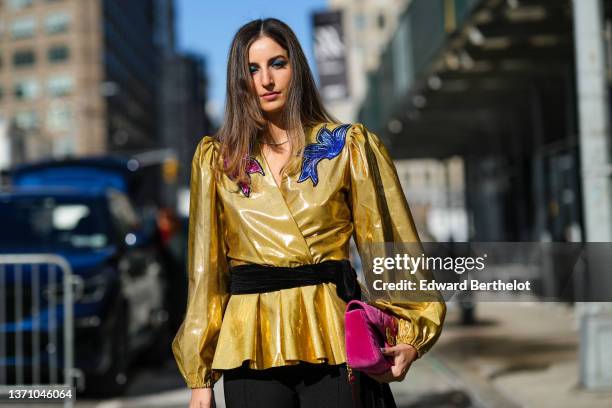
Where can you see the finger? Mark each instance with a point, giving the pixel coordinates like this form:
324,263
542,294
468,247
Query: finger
397,371
401,360
402,363
404,372
400,367
391,378
388,351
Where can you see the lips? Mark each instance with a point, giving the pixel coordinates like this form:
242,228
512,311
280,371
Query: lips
270,96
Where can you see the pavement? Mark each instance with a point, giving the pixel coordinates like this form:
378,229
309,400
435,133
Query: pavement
519,354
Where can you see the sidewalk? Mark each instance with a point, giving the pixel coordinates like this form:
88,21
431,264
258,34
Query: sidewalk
519,354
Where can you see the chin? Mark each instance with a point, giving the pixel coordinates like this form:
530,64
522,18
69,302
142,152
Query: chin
268,108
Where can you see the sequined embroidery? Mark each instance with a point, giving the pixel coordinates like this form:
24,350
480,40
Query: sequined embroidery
253,166
329,145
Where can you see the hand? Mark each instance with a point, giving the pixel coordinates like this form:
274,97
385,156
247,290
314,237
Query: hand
403,356
202,398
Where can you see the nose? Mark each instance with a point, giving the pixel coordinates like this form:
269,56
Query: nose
266,78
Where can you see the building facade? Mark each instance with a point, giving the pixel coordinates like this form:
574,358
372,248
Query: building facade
184,119
367,27
78,77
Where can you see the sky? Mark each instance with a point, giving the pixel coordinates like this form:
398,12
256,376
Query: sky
207,27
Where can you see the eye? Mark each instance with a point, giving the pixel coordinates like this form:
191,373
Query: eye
279,63
252,69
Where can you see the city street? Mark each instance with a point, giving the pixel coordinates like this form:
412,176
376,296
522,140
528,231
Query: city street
167,164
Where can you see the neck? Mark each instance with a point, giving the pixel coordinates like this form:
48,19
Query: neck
276,131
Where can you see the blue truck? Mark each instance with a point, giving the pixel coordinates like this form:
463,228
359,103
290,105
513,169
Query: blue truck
82,209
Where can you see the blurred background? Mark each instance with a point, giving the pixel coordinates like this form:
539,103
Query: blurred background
496,113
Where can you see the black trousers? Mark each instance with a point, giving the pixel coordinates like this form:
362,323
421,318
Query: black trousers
303,385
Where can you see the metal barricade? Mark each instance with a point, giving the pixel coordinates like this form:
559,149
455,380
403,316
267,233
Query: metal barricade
36,321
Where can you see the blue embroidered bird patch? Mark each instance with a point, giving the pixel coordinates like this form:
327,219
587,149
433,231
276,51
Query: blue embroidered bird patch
329,145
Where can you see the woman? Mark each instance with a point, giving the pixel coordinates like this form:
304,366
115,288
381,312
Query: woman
281,189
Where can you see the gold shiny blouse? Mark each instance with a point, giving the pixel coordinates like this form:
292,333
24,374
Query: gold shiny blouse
308,219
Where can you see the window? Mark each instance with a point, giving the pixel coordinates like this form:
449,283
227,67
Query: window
381,21
19,4
360,21
26,119
24,58
63,145
60,85
125,219
26,89
57,23
53,222
58,53
59,118
23,28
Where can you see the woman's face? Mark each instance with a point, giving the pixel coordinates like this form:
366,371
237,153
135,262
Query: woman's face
271,72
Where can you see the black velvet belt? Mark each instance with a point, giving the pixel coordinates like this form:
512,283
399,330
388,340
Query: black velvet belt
253,278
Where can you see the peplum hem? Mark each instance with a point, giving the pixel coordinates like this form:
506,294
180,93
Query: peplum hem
283,327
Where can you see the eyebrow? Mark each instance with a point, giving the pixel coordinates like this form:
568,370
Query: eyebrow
271,59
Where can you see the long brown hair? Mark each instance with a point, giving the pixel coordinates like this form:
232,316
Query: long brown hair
244,119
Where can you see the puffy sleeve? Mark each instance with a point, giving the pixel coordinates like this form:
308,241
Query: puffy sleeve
381,215
195,342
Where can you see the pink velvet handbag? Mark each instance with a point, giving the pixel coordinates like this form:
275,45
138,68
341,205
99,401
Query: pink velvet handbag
367,329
